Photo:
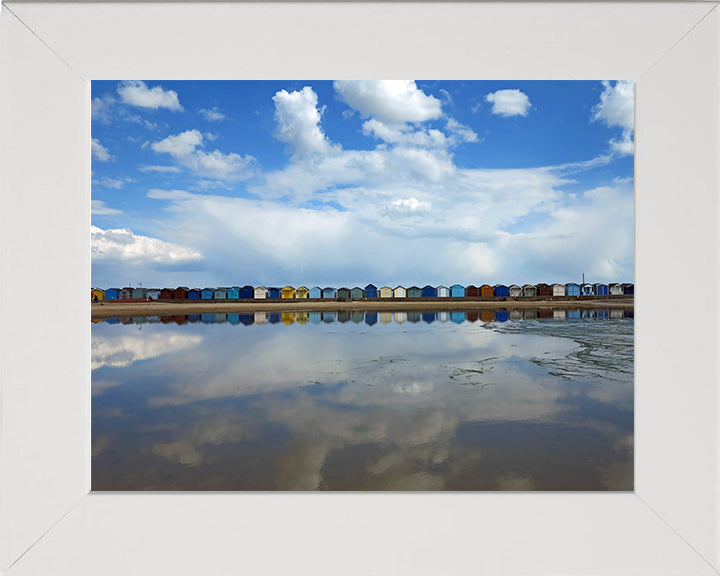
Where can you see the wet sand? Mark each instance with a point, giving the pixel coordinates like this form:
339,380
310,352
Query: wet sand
118,308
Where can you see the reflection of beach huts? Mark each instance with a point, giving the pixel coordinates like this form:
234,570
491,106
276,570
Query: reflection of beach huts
343,315
274,317
385,292
112,294
328,317
273,293
260,318
457,291
587,289
457,317
357,292
315,292
385,317
357,317
194,294
302,292
615,289
315,317
329,293
414,292
233,294
572,289
428,317
558,290
301,318
399,317
207,294
487,291
472,316
501,291
443,292
220,294
529,314
472,291
429,291
515,314
414,317
288,318
287,293
514,291
399,292
371,318
487,316
371,291
97,294
601,289
234,319
501,316
628,288
343,293
544,289
559,314
529,290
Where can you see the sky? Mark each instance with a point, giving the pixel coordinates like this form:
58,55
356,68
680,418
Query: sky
346,183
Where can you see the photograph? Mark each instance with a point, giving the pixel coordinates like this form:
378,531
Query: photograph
362,285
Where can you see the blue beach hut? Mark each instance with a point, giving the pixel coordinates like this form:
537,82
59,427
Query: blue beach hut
233,293
501,291
343,293
429,291
357,292
193,294
220,294
457,291
414,292
587,289
628,288
601,289
112,294
315,292
207,294
572,289
329,292
371,291
274,293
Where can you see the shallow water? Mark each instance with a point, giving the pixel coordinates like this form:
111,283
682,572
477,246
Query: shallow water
364,401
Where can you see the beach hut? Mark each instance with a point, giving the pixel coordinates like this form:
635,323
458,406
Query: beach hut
125,294
112,294
529,290
514,290
601,289
273,293
287,293
501,291
357,292
246,292
443,292
587,290
628,288
343,293
487,291
153,294
614,289
302,292
457,291
166,294
414,292
194,294
220,294
315,293
97,294
558,289
207,294
371,291
233,293
429,291
572,289
138,294
544,289
385,292
472,291
180,293
329,293
399,292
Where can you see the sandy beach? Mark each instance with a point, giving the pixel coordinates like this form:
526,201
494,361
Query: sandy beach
118,308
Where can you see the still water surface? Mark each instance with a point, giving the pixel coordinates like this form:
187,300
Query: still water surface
364,401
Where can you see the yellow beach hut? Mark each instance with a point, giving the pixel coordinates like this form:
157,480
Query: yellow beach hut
287,293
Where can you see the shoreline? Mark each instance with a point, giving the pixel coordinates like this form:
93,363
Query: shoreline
118,308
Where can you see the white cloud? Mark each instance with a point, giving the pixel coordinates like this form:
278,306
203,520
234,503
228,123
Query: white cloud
298,122
136,93
186,148
410,205
109,183
212,114
101,209
99,151
122,244
389,101
100,108
162,169
460,131
616,109
509,102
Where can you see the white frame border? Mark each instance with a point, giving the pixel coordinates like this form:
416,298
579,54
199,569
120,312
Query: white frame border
48,519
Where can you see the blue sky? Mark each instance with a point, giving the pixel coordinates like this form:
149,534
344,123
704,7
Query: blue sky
350,182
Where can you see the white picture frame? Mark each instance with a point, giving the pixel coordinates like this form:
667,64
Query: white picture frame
51,523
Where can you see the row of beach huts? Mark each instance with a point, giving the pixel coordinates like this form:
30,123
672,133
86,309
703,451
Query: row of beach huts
369,291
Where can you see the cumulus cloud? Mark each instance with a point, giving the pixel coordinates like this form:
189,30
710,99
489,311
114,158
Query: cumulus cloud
122,244
616,109
389,101
509,102
137,93
99,152
99,208
161,169
410,205
212,114
108,183
186,148
100,108
298,122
